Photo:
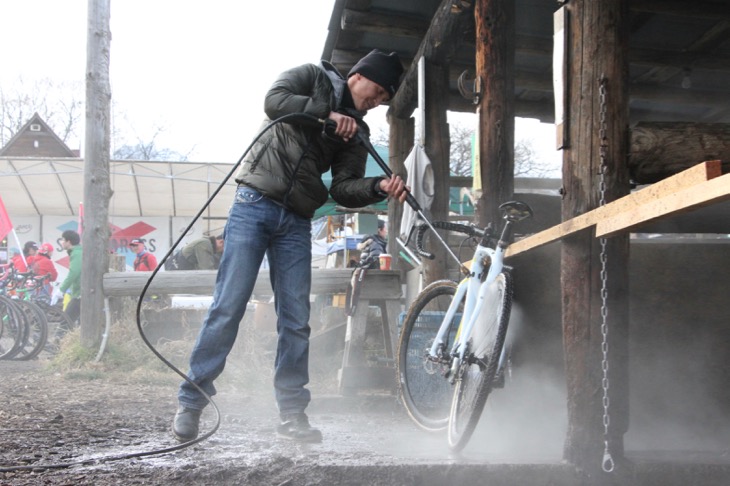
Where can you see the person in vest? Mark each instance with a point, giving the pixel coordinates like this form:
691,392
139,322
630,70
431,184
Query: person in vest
144,261
203,253
280,188
372,246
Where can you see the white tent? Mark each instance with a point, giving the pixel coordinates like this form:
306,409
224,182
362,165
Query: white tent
55,187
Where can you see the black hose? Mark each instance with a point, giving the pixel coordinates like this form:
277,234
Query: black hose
301,118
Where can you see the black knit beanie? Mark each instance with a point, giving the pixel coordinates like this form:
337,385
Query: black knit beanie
381,68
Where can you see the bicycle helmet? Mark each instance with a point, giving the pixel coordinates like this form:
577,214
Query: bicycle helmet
46,249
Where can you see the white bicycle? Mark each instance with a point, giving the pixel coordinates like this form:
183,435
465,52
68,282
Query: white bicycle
453,335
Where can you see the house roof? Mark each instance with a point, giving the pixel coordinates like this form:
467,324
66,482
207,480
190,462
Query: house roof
36,139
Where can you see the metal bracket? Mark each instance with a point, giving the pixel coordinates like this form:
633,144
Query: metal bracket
470,88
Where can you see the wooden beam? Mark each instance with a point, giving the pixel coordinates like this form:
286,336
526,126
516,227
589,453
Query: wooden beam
201,282
438,46
704,194
388,24
662,149
682,8
631,204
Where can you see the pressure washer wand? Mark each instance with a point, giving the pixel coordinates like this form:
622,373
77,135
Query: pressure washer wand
363,139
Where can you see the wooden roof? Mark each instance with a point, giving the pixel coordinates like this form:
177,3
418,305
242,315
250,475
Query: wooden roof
679,51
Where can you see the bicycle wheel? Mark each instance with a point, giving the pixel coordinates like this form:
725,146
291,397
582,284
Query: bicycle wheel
14,328
476,373
423,387
37,330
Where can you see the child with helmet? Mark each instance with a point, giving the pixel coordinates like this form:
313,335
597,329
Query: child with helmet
41,264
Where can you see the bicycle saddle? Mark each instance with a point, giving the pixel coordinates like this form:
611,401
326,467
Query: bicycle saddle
515,210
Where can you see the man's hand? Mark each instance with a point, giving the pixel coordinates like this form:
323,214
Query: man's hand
346,125
395,187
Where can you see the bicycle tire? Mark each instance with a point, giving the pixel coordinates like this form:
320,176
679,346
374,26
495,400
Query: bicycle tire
422,385
37,326
13,330
475,376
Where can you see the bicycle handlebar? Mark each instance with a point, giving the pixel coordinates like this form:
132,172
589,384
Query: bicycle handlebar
468,230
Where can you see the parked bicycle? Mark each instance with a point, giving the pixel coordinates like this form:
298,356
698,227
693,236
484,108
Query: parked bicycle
453,335
12,328
27,314
15,329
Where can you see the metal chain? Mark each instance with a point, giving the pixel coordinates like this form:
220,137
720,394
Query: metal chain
607,463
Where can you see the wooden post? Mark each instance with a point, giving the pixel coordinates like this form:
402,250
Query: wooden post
97,187
400,145
437,146
598,48
495,59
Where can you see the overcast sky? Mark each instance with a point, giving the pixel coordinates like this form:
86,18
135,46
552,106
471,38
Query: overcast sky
199,70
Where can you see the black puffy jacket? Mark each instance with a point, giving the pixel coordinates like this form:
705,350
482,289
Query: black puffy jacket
286,164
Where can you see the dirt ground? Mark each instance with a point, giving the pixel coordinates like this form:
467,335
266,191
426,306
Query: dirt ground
66,426
50,420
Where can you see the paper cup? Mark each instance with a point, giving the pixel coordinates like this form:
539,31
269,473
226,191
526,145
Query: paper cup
385,261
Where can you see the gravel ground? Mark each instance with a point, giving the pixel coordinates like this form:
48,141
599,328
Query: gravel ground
74,427
61,428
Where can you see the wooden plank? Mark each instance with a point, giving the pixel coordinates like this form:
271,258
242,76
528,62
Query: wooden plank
714,190
378,283
699,174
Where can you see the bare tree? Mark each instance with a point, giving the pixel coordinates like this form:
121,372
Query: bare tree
148,150
60,106
526,162
461,149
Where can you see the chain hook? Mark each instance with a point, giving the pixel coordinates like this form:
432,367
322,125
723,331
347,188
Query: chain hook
607,464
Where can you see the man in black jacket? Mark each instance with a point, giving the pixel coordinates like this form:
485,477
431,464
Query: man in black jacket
280,188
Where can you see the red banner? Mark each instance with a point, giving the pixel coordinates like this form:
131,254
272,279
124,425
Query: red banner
5,225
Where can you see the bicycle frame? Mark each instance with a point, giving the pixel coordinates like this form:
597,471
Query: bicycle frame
475,288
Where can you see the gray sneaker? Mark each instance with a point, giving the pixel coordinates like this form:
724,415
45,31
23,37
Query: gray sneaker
186,423
296,426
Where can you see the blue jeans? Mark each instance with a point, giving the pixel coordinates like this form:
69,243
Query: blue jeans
257,226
